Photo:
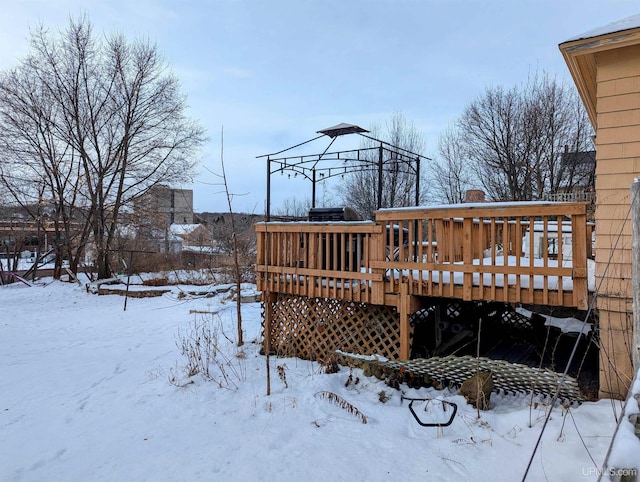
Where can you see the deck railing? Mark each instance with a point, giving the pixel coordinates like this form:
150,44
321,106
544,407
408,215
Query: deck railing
482,252
469,252
330,260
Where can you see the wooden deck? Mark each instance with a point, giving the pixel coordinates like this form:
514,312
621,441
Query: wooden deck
454,252
467,252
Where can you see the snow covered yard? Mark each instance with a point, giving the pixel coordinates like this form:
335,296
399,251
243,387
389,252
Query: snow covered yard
85,395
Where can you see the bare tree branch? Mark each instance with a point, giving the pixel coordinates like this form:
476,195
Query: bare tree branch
359,189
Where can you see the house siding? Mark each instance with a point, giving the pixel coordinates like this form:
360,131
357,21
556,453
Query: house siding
618,164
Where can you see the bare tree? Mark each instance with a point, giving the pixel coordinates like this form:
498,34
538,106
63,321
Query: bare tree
38,168
565,128
101,121
489,124
234,242
359,190
451,171
294,207
515,138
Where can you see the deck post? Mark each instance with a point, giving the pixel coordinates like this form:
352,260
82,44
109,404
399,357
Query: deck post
467,257
376,252
404,303
579,259
268,299
261,260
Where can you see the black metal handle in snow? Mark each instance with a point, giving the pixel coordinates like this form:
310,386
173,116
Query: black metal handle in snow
431,424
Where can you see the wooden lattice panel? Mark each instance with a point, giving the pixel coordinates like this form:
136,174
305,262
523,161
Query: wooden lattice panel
509,377
513,318
313,328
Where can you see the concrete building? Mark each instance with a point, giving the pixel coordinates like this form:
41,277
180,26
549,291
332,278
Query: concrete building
167,205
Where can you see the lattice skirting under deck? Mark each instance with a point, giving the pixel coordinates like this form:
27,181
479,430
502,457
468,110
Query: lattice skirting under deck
314,328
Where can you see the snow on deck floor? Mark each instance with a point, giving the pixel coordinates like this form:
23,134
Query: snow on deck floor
499,279
84,395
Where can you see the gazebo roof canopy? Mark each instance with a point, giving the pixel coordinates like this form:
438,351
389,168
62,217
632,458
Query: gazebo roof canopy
580,54
342,129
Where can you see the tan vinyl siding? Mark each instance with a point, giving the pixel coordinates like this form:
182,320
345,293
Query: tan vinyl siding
621,305
610,65
626,85
621,118
616,368
618,164
617,180
618,103
614,151
613,196
618,277
617,134
617,64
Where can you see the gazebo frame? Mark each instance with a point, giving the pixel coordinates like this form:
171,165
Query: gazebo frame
314,168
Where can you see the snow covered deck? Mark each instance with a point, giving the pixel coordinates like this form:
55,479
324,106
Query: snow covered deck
467,251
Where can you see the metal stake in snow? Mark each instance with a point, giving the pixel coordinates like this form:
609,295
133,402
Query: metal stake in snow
128,267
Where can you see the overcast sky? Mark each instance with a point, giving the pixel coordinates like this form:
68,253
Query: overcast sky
275,72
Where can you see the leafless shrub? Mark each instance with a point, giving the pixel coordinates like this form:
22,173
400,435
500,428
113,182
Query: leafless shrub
177,381
342,403
200,346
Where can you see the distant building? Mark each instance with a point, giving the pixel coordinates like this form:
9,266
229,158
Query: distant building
157,211
167,205
578,184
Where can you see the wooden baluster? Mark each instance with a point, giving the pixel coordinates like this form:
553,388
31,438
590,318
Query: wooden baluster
532,256
545,259
467,258
560,223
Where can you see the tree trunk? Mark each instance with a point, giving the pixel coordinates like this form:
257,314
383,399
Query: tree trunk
102,264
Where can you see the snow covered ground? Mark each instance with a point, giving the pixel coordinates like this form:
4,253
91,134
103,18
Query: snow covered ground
85,394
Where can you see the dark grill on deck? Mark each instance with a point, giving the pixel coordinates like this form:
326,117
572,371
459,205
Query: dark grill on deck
333,214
